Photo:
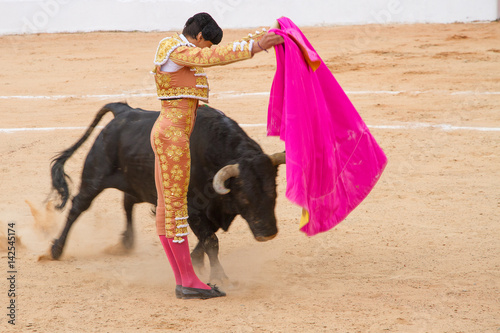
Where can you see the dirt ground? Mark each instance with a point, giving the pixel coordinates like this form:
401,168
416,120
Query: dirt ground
420,254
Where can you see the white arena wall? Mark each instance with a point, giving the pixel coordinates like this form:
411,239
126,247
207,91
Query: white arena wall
39,16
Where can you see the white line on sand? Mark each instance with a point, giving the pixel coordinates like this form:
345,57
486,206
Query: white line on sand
234,94
405,126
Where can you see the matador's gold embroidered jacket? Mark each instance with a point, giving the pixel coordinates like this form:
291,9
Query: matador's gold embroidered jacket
190,81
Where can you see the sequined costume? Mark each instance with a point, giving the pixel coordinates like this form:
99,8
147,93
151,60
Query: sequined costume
181,83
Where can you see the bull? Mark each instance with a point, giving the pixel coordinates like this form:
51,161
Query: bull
230,176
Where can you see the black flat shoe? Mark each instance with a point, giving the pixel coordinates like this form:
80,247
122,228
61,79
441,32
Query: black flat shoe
192,293
178,291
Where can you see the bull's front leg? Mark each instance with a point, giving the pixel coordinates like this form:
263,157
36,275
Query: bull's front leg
80,203
211,247
199,229
197,257
207,243
128,235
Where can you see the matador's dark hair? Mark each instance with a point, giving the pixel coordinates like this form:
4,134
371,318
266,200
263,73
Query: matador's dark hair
204,23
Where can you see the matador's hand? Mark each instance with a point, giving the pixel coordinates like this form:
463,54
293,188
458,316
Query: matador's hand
269,40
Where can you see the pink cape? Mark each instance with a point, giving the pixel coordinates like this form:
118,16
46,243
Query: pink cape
332,160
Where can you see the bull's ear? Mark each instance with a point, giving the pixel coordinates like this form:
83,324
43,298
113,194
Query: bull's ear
278,158
231,170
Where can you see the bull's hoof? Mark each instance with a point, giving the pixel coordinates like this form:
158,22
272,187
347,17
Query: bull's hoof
225,282
45,257
128,241
56,250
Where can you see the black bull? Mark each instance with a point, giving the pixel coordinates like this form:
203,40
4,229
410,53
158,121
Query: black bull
122,158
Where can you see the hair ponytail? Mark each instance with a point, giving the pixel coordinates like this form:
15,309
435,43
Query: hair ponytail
204,23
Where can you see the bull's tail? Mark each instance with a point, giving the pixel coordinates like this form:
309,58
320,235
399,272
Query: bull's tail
59,176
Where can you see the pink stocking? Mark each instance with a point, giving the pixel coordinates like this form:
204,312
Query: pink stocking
184,264
171,259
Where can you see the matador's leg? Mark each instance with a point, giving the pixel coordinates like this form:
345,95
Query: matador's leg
160,224
175,165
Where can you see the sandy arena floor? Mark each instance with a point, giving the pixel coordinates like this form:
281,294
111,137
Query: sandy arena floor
420,254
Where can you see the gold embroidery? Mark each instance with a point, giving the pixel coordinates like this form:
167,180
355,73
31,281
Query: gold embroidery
191,81
201,80
184,92
171,143
256,37
174,125
166,46
187,82
206,57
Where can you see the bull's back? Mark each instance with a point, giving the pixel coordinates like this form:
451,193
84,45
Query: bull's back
125,143
218,139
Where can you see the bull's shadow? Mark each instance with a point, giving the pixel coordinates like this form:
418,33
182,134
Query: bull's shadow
230,175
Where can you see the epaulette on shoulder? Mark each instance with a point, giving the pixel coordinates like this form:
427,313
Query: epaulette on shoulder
165,48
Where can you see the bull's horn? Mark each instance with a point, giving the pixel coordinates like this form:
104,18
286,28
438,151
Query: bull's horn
231,170
278,158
